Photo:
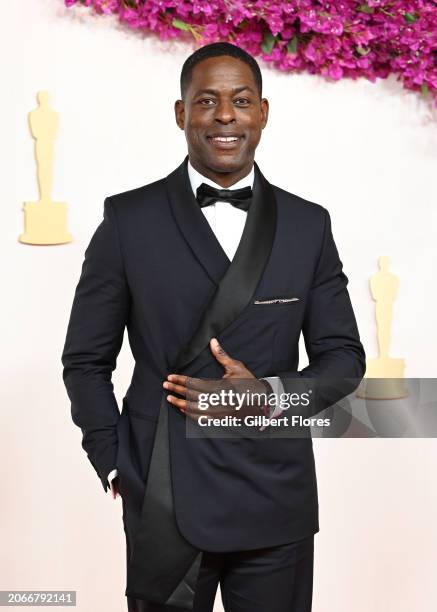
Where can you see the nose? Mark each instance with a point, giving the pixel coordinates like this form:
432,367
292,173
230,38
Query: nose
225,112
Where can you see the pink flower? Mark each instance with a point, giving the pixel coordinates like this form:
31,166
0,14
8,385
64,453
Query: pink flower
337,39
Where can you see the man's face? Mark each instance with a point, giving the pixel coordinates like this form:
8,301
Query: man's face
222,116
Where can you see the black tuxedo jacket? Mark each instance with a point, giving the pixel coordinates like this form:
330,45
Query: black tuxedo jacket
155,267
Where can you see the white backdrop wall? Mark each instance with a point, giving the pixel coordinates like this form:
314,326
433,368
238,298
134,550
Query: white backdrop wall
365,151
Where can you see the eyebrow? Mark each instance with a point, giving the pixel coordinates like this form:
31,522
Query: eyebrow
235,90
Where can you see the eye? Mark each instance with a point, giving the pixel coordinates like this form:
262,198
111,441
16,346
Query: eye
242,101
205,101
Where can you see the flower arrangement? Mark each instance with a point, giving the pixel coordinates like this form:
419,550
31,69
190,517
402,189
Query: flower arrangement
336,39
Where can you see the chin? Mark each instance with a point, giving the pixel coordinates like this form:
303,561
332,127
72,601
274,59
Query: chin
226,163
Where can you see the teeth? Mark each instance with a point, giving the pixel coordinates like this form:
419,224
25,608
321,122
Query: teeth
225,138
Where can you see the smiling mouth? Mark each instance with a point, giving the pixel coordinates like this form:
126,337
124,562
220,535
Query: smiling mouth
225,142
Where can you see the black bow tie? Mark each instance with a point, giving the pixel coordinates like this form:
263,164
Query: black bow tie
240,198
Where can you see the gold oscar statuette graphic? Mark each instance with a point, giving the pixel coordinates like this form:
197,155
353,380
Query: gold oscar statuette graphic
45,222
383,379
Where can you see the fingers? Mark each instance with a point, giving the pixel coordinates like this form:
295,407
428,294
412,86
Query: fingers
193,411
178,379
114,491
176,401
187,381
181,390
183,405
180,384
191,387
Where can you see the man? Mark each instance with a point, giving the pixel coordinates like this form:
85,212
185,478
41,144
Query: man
215,272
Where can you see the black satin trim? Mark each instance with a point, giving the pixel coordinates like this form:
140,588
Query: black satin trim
163,566
239,282
193,225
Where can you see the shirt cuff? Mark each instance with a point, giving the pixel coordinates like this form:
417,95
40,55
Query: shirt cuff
112,474
277,388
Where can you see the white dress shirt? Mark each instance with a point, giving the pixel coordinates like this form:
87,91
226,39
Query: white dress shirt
227,222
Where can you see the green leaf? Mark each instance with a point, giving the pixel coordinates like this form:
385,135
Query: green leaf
181,25
364,8
292,45
363,51
424,88
268,43
410,17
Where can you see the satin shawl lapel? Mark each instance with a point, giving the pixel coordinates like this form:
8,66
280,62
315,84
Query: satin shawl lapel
164,566
239,282
193,224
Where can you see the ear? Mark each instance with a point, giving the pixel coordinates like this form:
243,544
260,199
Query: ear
264,112
179,111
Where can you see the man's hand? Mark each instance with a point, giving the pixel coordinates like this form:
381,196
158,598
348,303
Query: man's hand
114,487
243,382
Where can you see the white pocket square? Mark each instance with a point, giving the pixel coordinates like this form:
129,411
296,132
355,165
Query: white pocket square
278,300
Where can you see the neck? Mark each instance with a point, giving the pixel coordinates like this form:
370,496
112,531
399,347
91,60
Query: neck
224,179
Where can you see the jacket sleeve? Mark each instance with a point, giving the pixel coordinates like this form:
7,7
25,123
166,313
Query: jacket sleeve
94,338
335,353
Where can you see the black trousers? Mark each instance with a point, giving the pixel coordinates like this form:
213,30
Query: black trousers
276,579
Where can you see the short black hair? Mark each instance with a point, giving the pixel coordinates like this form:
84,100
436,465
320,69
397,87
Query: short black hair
216,50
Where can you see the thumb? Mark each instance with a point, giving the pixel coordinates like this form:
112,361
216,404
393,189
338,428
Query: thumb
219,353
